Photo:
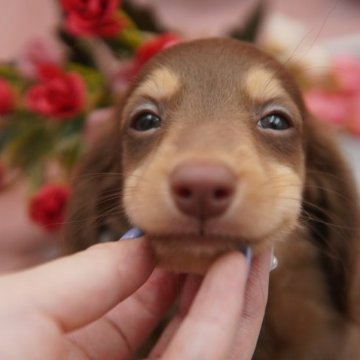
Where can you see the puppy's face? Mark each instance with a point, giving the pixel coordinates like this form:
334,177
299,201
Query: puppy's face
212,152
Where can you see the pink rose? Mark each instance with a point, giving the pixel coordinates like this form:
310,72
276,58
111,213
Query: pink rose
6,97
328,106
92,17
347,73
58,95
353,123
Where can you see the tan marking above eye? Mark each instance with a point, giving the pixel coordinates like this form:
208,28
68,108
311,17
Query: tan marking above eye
161,83
262,85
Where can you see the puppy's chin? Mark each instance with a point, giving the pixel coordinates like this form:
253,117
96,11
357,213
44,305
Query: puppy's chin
188,256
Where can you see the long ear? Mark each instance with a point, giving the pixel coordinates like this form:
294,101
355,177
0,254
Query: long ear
331,209
95,207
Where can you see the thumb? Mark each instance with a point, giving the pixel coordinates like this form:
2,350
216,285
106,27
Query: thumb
77,289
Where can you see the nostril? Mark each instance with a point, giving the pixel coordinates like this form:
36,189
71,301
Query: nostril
222,193
183,192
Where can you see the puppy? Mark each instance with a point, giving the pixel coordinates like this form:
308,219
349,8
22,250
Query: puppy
213,150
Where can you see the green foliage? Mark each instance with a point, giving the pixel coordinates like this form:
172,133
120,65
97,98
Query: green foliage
27,141
30,141
69,150
94,81
10,73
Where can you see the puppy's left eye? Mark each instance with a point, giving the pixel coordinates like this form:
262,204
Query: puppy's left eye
146,121
274,122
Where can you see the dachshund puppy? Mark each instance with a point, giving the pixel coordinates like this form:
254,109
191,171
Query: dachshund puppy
212,150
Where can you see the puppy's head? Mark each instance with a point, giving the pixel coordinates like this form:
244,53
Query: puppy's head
212,152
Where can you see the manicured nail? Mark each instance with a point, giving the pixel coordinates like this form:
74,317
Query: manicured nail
248,256
132,234
247,253
274,263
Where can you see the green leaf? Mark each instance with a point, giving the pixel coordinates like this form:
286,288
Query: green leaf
29,141
36,175
250,30
68,151
69,127
9,73
126,43
68,138
94,81
18,83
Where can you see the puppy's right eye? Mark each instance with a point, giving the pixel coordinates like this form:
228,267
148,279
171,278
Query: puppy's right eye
146,121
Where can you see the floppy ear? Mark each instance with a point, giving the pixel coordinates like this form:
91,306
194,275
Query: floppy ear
330,208
95,209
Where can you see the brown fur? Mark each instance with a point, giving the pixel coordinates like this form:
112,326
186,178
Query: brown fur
294,190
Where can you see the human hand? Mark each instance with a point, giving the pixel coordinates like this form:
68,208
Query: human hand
103,302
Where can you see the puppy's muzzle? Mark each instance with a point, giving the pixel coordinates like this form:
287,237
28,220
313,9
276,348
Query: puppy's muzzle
202,190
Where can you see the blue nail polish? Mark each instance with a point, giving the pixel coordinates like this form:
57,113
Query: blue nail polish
132,234
246,250
248,256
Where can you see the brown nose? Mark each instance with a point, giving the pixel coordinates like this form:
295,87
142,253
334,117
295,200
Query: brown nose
202,190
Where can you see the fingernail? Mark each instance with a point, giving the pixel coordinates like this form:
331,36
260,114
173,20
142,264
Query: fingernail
132,234
274,263
247,253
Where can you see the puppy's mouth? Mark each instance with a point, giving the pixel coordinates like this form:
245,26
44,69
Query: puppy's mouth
219,237
193,252
202,239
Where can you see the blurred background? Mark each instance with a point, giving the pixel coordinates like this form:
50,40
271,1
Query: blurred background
328,20
320,38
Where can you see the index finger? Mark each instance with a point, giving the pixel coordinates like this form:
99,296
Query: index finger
80,288
209,329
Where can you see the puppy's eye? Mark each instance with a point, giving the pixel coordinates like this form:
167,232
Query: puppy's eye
146,121
274,122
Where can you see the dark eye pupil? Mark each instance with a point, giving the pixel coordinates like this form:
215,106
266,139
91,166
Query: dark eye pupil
145,122
274,122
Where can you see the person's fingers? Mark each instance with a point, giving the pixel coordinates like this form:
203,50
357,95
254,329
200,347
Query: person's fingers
190,288
78,289
209,329
120,332
254,307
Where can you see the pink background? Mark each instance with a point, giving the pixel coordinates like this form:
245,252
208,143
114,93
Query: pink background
24,19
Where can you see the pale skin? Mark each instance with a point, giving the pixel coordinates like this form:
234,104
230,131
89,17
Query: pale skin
103,302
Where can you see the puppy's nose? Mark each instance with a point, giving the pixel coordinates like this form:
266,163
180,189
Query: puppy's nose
202,190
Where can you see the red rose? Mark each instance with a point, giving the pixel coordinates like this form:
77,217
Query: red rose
58,95
47,207
6,97
152,47
92,17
